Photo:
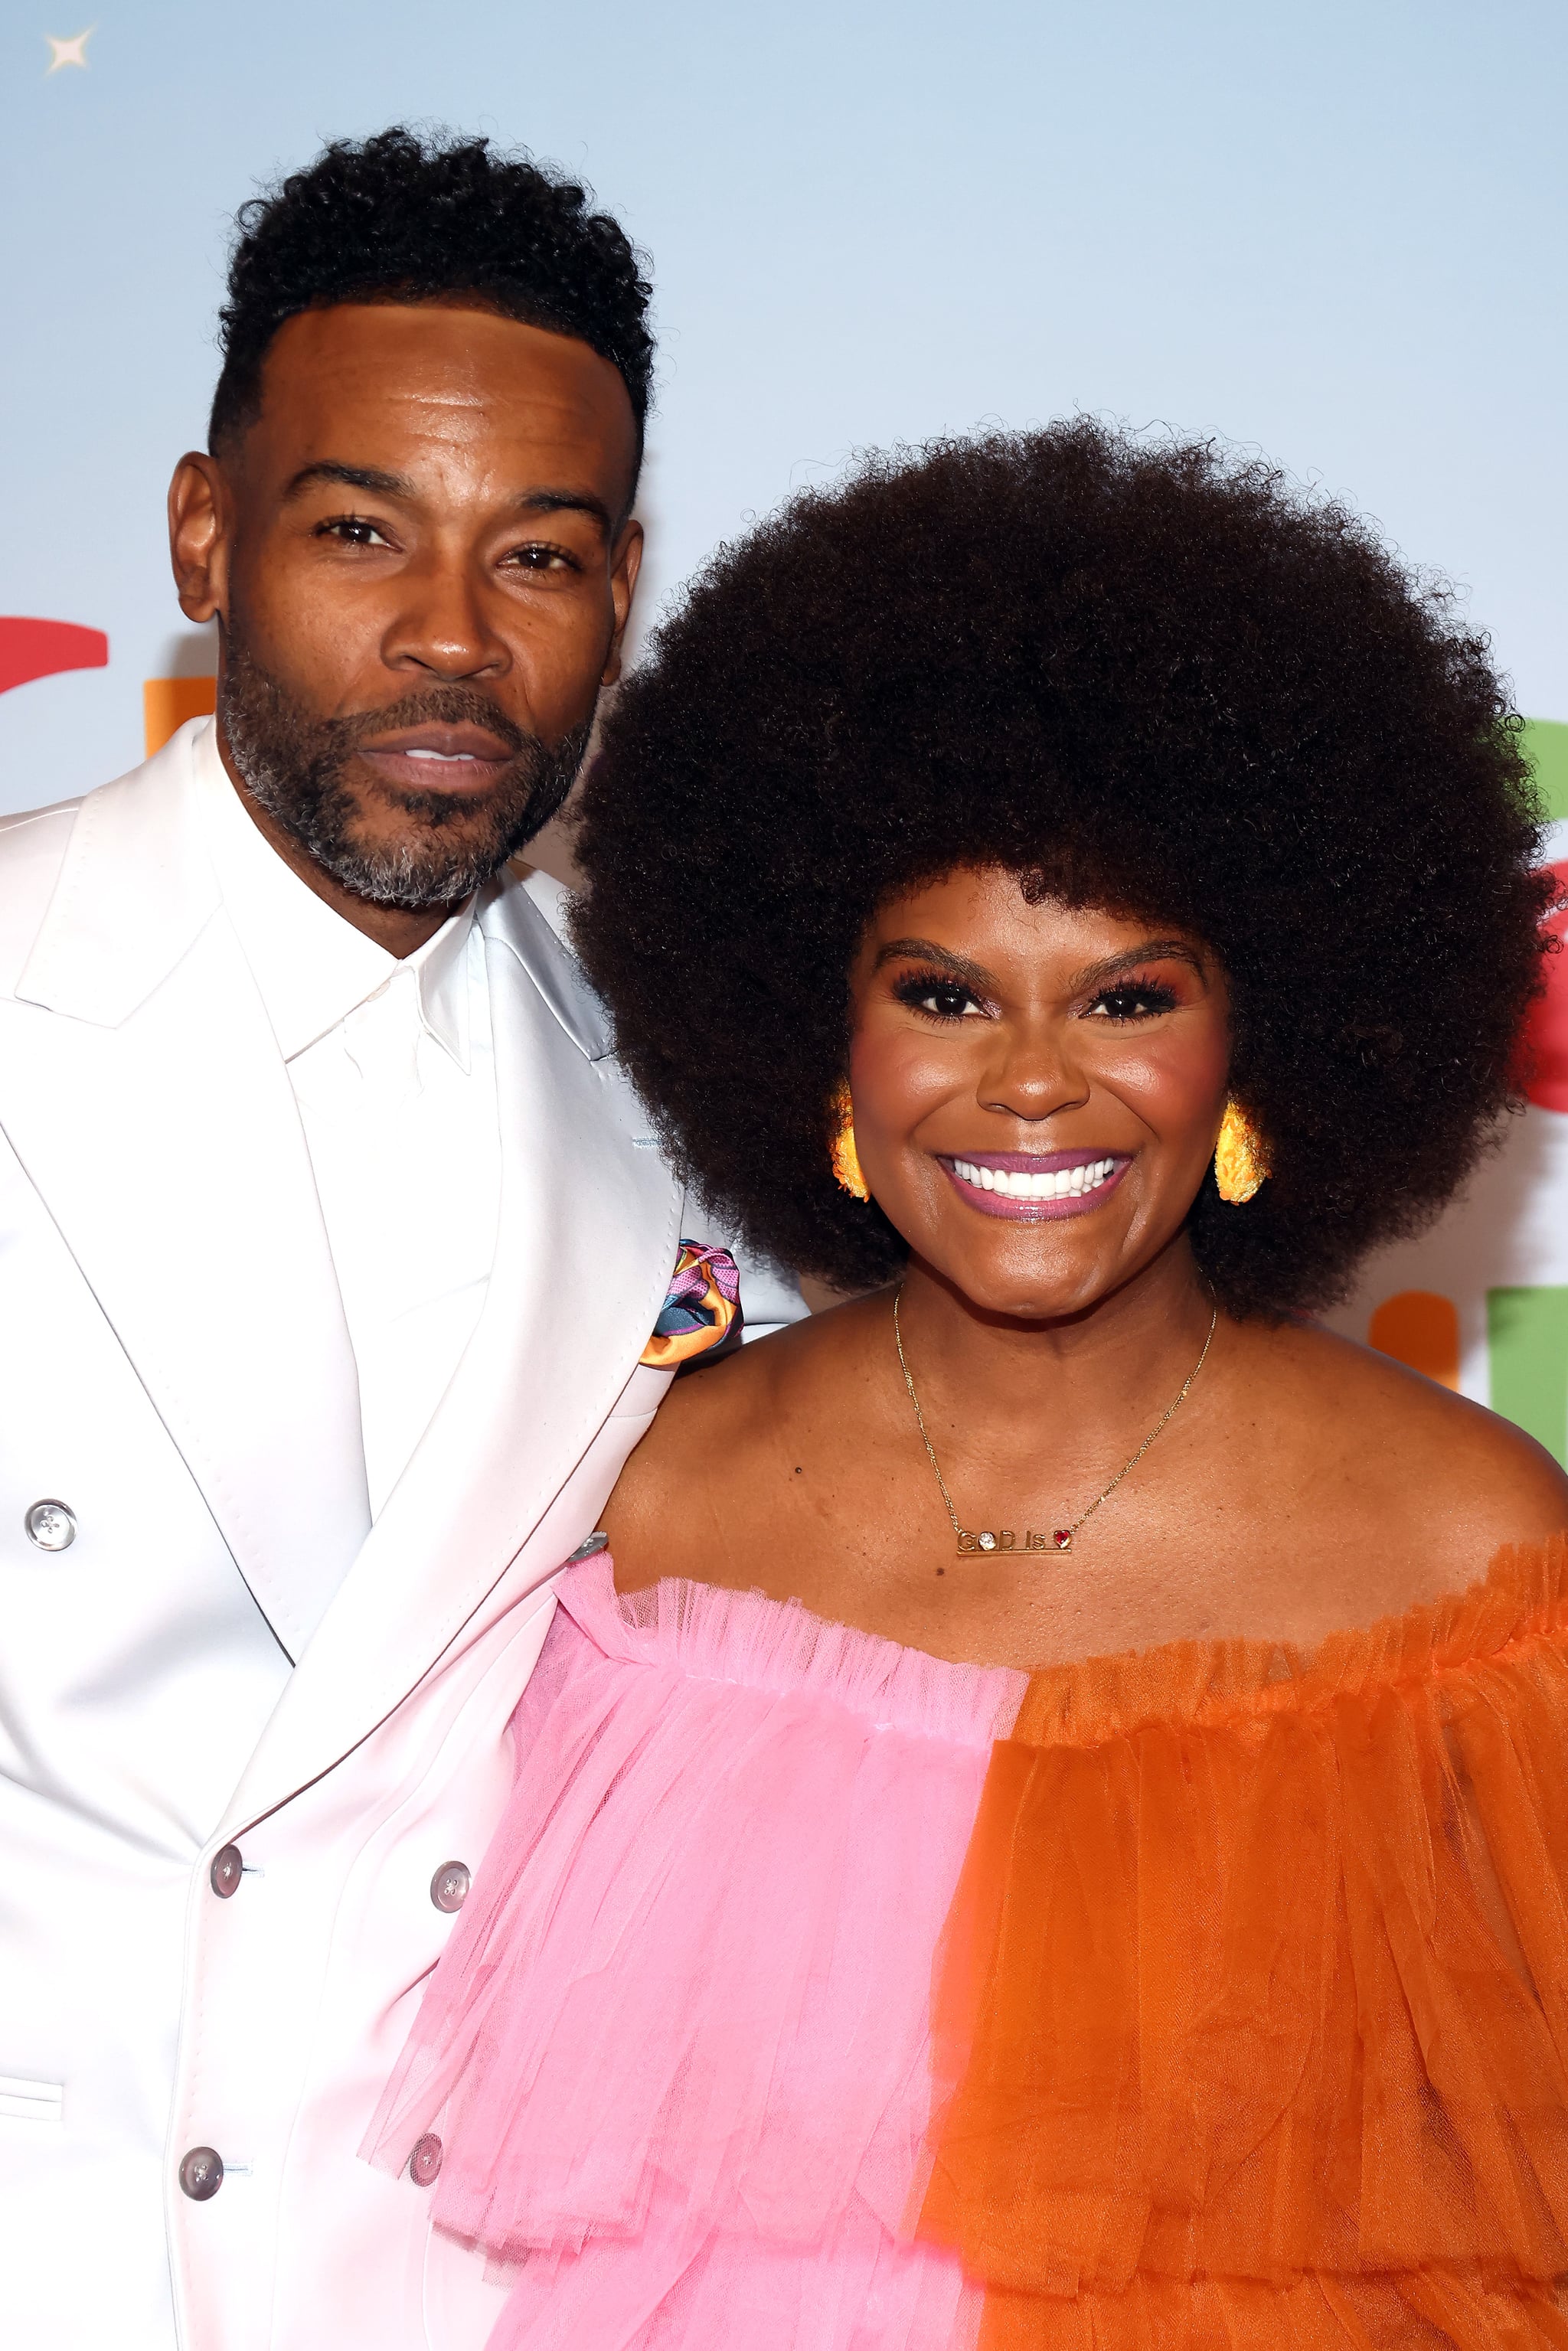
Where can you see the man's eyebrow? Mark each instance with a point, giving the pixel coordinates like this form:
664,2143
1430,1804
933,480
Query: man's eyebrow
973,975
566,502
351,477
398,485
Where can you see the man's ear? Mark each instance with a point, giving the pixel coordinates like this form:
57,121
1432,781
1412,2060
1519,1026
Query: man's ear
625,562
200,514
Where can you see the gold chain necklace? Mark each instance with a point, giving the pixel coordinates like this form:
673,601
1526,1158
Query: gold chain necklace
1060,1537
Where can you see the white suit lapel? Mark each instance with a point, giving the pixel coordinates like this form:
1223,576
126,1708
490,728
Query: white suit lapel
589,1225
148,1101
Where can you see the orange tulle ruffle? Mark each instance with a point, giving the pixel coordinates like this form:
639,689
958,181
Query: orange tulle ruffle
1252,2013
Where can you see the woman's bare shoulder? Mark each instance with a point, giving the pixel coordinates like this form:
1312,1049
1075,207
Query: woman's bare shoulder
716,1461
1460,1477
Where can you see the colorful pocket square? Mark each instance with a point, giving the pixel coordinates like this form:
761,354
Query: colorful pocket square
701,1308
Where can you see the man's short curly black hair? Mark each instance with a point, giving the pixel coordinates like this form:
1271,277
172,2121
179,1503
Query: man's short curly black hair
398,218
1150,677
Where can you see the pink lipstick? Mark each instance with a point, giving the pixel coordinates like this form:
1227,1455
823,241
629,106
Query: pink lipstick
1034,1186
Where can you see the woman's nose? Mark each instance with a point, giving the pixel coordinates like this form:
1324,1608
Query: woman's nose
1033,1078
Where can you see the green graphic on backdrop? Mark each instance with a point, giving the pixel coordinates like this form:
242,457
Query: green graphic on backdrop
1527,1329
1527,1344
1546,748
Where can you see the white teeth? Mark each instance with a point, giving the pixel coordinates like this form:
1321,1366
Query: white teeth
1056,1183
438,755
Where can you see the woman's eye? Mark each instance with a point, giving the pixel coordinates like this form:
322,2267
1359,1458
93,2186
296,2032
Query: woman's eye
353,532
941,999
1143,1001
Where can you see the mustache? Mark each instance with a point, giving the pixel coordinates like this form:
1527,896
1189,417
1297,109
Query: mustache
431,705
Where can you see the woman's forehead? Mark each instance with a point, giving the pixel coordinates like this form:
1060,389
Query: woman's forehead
983,912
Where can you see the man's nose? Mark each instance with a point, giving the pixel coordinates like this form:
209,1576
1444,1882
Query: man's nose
442,625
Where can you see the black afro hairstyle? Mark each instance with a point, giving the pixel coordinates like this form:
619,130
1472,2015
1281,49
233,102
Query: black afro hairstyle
399,218
1143,675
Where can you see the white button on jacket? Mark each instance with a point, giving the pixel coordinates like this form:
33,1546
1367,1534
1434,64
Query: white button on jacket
226,1652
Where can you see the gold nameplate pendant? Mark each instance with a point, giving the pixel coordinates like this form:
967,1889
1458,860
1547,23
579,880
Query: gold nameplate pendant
1004,1539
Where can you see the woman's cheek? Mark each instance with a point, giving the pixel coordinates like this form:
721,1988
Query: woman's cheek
1172,1083
896,1077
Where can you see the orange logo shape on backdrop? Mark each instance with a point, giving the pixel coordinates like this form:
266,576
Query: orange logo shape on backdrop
168,702
30,649
1421,1328
1543,1048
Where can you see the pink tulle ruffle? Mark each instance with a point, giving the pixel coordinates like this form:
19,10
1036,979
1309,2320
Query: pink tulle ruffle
678,2049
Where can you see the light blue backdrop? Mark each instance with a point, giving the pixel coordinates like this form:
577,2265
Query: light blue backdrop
1335,232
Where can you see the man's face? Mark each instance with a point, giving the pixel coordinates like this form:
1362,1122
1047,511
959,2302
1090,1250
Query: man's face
419,562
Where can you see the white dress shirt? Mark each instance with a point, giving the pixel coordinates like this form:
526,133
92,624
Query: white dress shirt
394,1073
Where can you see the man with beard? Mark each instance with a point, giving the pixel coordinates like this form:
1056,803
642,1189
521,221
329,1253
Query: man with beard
333,1243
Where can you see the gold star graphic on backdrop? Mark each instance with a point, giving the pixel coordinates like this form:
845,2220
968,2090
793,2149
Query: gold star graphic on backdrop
67,53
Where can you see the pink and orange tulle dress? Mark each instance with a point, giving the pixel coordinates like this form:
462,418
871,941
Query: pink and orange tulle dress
817,1995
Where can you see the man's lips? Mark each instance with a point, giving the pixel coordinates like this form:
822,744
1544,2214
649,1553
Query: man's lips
1034,1186
443,740
438,759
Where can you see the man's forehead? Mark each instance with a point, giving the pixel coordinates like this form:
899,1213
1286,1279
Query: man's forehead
409,371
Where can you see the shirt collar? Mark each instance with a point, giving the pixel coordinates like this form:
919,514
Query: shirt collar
311,967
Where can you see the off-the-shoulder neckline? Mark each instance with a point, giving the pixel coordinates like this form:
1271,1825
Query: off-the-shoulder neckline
1522,1596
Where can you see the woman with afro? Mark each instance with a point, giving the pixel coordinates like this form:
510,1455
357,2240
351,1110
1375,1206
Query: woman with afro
1048,1828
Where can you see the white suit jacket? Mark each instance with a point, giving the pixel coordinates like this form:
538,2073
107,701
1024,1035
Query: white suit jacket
228,1653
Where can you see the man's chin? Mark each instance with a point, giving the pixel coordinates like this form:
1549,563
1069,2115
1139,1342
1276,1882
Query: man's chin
420,856
381,798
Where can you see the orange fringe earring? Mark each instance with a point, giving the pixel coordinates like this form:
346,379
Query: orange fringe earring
842,1150
1240,1163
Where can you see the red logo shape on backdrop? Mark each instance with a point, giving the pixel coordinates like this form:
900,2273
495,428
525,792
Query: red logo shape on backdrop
30,649
1544,1045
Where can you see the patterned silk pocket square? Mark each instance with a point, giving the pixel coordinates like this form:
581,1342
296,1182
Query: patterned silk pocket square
700,1311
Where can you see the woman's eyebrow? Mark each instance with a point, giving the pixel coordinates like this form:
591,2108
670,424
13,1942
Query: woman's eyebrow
1149,951
976,976
973,975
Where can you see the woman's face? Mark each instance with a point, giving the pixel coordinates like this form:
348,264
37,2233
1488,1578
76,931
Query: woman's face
1036,1089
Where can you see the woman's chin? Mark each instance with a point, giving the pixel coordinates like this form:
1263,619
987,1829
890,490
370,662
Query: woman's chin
1015,1294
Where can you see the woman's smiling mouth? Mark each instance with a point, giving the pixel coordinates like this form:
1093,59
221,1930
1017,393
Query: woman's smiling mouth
1031,1187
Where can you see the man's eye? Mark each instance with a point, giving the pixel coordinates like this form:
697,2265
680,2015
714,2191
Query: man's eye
941,999
353,532
535,558
1145,1002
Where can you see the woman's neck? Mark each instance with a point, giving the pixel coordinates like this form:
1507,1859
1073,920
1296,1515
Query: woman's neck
992,1379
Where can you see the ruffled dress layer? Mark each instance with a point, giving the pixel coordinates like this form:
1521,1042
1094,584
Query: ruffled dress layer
1249,2027
1254,2011
677,2052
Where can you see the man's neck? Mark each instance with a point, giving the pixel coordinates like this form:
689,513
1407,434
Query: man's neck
401,930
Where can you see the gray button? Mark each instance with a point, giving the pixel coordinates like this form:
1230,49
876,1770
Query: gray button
200,2173
587,1548
51,1526
424,2163
449,1887
226,1871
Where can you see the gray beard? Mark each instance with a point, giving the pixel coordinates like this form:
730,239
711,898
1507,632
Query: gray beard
291,764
